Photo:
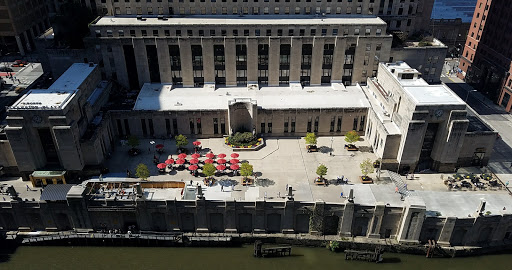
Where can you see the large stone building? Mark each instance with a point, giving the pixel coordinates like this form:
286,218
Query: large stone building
487,57
415,126
21,21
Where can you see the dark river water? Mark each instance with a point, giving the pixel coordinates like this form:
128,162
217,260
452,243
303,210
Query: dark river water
227,259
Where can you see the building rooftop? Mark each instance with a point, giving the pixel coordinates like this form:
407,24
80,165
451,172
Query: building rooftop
418,89
73,77
244,20
44,99
163,97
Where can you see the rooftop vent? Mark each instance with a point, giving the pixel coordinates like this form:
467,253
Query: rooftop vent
91,64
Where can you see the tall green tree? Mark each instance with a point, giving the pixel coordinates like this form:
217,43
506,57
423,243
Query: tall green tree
133,141
366,167
142,171
321,171
310,138
181,141
351,137
209,170
246,170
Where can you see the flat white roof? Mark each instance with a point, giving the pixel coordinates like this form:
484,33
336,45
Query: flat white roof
420,91
163,97
245,20
44,99
73,77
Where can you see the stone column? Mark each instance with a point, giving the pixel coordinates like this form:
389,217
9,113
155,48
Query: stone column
258,218
295,59
141,61
317,218
186,63
316,62
230,60
230,216
201,216
289,217
412,220
447,231
376,221
273,61
164,62
339,60
208,62
119,60
345,228
252,60
68,147
20,45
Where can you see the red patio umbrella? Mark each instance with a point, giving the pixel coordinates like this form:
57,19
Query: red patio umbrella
234,161
235,155
221,167
194,161
196,155
234,167
159,146
161,166
210,161
196,143
169,161
193,167
210,155
182,155
221,161
221,155
180,161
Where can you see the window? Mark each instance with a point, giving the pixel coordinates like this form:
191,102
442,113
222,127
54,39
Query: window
269,125
338,125
331,128
286,123
292,130
354,126
309,124
317,119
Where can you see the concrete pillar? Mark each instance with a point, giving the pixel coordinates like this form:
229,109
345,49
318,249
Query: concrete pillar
258,218
503,225
447,231
273,61
316,62
412,220
20,45
230,60
376,222
119,60
68,147
201,216
208,62
252,60
339,60
230,216
295,59
345,228
141,61
317,218
186,63
288,220
164,62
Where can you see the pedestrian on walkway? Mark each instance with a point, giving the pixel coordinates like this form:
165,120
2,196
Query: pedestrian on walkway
506,184
279,194
405,186
28,188
222,188
396,189
286,187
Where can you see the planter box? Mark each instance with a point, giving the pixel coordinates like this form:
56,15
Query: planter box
311,148
351,147
365,180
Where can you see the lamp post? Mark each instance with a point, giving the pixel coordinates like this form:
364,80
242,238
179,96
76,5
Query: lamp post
467,96
332,140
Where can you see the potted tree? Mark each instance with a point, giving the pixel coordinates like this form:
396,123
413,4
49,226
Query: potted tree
311,142
246,170
366,168
181,142
133,142
321,170
351,137
142,171
208,171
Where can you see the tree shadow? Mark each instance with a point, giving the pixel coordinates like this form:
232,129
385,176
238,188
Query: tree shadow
264,182
324,149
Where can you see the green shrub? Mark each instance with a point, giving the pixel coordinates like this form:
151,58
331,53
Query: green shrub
243,139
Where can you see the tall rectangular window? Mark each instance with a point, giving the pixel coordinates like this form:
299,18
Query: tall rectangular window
215,125
262,128
263,64
317,119
174,55
175,125
333,119
307,56
338,125
354,126
197,65
241,64
284,63
222,126
310,121
361,123
144,129
269,125
199,129
168,126
151,128
220,64
292,128
286,123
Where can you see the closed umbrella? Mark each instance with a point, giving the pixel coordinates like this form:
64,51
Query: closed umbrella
210,155
235,155
182,155
221,161
194,161
221,167
169,161
221,155
161,166
209,161
234,161
195,155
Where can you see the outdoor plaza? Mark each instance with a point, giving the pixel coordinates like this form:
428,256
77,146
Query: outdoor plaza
285,162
